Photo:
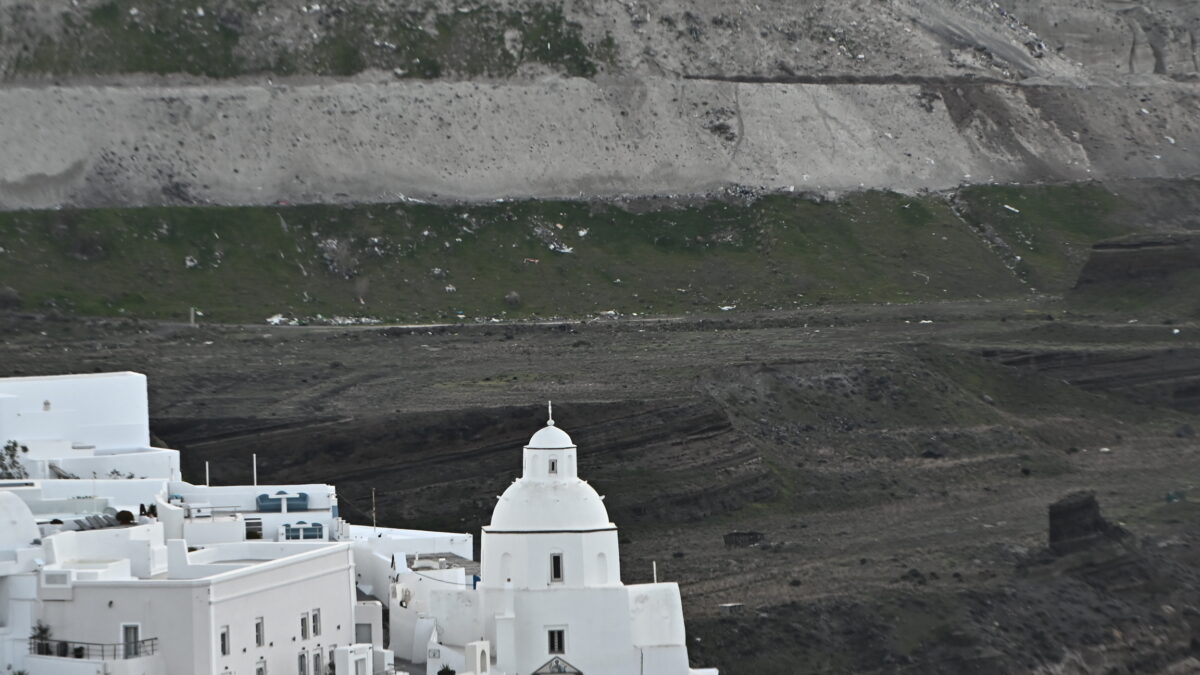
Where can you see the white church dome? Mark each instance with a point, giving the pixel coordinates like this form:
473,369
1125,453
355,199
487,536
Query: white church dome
18,528
538,506
550,500
550,437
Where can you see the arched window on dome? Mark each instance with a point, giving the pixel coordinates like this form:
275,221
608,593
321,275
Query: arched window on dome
506,566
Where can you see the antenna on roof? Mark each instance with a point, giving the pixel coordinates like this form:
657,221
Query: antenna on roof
549,413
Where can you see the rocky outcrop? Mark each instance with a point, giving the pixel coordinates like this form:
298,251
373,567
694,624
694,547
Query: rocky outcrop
1076,524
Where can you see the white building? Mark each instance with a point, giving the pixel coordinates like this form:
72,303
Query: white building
550,599
243,579
111,564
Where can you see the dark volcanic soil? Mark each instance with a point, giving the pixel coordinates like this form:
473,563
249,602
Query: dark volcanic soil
898,461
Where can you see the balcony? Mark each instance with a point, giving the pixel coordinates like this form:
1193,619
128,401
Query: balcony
94,651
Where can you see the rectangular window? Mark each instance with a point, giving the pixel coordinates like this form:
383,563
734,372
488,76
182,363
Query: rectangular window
360,667
556,570
131,635
224,640
302,664
554,466
558,641
260,632
261,668
317,664
362,633
316,622
303,626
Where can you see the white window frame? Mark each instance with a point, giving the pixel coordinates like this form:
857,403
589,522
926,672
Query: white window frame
557,556
260,668
553,466
224,641
305,631
562,641
315,622
260,632
126,649
316,662
302,663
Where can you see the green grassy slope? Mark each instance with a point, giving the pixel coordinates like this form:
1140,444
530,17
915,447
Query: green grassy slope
416,262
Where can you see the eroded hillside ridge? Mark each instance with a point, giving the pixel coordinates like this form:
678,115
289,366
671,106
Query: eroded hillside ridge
1014,39
571,138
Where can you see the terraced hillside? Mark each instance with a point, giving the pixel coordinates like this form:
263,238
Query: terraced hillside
896,470
121,103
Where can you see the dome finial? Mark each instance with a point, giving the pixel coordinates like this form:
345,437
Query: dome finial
549,413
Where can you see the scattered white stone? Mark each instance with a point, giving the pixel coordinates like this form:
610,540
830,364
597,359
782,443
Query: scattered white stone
924,321
199,11
275,320
190,262
583,232
559,247
1174,331
450,288
1170,140
1013,209
726,308
133,11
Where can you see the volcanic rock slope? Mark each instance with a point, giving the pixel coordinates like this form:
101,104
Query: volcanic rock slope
895,462
117,102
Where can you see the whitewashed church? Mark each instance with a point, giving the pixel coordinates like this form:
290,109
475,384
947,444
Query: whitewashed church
550,598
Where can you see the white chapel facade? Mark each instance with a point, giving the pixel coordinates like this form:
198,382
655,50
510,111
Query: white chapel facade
550,597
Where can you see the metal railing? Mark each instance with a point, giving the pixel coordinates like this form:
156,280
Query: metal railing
93,650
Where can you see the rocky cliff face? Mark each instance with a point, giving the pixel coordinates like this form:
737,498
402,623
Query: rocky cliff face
115,103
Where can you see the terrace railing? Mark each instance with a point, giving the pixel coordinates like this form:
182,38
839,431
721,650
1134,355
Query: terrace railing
93,650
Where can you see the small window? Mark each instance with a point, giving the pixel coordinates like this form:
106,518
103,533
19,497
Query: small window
260,632
556,567
316,622
554,466
303,626
317,663
558,641
224,640
302,664
362,633
131,634
260,668
360,667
